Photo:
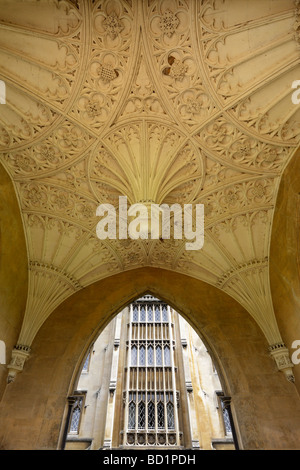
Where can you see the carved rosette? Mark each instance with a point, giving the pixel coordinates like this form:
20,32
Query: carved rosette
20,354
280,354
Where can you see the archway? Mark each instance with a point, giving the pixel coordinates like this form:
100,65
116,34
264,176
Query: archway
148,382
264,403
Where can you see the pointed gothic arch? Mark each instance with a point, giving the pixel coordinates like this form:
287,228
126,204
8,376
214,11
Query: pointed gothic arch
233,338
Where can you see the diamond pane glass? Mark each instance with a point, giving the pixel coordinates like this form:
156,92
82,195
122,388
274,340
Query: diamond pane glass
86,364
160,415
165,314
170,416
131,416
227,421
158,356
135,314
141,416
143,314
167,356
150,356
134,356
157,314
142,356
76,416
150,313
151,415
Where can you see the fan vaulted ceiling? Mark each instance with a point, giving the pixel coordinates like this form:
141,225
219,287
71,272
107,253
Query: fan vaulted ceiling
167,101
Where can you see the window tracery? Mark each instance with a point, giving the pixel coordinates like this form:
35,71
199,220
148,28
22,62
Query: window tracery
150,380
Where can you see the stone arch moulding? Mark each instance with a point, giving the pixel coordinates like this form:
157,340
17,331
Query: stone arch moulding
262,399
285,257
13,270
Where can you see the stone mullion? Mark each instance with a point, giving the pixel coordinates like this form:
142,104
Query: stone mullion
128,376
146,371
137,369
176,418
163,369
155,374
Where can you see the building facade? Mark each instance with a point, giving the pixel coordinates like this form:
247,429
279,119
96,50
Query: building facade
148,382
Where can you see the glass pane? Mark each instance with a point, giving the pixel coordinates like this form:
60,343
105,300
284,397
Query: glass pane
135,314
131,416
150,356
226,421
143,314
167,356
160,415
142,356
150,313
86,364
158,356
134,356
151,415
165,314
141,417
76,416
157,314
170,416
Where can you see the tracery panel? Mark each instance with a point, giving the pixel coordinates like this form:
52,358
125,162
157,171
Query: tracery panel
151,386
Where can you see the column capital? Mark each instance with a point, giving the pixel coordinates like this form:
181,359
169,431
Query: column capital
71,400
280,354
226,402
20,354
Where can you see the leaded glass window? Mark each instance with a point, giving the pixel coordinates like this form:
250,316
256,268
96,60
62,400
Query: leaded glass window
142,415
170,415
150,356
158,356
226,420
151,412
157,313
142,356
74,427
167,356
85,367
165,314
150,405
133,355
135,314
131,416
150,313
160,415
143,314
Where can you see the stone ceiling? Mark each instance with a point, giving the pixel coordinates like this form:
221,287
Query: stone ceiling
168,101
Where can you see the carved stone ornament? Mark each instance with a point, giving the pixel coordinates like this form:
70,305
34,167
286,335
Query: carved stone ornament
280,354
20,354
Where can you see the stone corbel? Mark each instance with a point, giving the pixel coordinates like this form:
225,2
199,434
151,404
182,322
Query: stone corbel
112,387
280,354
19,355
